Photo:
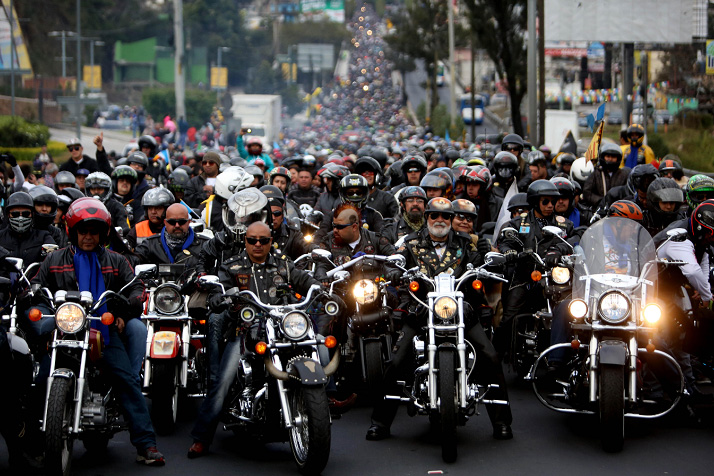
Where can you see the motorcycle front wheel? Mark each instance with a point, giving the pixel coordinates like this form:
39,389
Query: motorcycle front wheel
59,443
447,405
373,368
164,397
310,434
612,407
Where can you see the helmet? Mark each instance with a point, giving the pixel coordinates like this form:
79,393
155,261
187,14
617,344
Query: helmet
309,161
466,207
412,191
540,188
282,172
369,164
124,172
477,174
670,165
243,208
701,223
546,150
428,145
566,158
254,141
439,204
413,161
641,177
336,172
699,188
99,180
157,197
518,200
138,158
232,180
87,210
625,209
537,157
178,180
636,129
505,165
512,139
273,194
43,194
354,181
610,149
564,186
582,169
67,196
438,179
451,155
147,141
664,190
65,178
379,154
255,171
20,199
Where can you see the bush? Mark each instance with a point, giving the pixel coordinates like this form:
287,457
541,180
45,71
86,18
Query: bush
658,145
58,151
162,101
440,122
17,132
694,119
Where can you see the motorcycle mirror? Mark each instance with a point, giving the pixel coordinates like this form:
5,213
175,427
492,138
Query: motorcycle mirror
15,262
208,279
196,226
494,258
294,222
145,270
397,260
320,253
48,248
509,233
554,230
342,276
677,234
120,231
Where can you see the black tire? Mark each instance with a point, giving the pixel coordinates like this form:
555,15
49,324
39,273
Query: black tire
59,444
612,407
374,369
310,436
447,405
164,396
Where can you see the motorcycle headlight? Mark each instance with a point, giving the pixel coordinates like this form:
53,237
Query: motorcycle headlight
560,275
613,307
445,308
365,291
578,309
652,314
70,318
167,299
295,325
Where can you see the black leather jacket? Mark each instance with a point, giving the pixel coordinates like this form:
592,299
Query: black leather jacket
27,246
152,251
371,217
370,243
300,196
384,203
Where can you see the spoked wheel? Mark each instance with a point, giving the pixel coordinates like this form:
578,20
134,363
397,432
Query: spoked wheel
59,443
310,434
373,368
612,407
447,405
164,397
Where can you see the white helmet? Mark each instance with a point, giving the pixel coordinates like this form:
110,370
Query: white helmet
243,208
231,181
581,170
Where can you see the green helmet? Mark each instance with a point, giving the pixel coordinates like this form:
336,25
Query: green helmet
699,188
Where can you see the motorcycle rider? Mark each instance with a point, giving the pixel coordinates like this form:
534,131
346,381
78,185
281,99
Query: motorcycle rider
700,187
538,168
201,186
99,185
412,202
664,205
155,202
18,235
436,249
437,184
124,180
88,266
608,174
413,171
565,162
565,206
227,183
515,144
635,189
65,179
478,191
465,214
46,202
255,150
177,183
280,177
287,238
303,191
331,175
78,160
262,272
382,201
140,163
636,152
505,170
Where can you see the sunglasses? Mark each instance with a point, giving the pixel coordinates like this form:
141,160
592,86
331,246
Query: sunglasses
548,201
87,231
177,221
512,149
24,214
461,216
254,241
278,213
337,226
73,147
411,171
436,215
206,162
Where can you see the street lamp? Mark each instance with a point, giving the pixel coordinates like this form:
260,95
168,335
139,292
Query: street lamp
221,49
63,34
92,43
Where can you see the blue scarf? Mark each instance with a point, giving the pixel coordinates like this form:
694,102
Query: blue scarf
89,278
575,217
631,160
186,244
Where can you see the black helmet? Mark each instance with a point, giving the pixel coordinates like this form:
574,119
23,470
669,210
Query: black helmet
451,155
369,164
412,191
394,174
335,172
701,223
505,165
43,194
255,171
641,177
138,157
610,149
20,199
517,201
670,165
157,197
148,141
537,157
274,194
664,190
380,155
178,180
564,186
514,139
67,196
565,158
65,178
412,162
438,179
354,181
540,188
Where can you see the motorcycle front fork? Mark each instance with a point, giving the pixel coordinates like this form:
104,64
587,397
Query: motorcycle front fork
631,381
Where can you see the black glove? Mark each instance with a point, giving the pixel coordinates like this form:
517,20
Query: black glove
511,256
10,159
551,259
483,246
217,303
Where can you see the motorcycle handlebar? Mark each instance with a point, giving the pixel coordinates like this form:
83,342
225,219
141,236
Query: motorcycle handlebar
295,306
351,263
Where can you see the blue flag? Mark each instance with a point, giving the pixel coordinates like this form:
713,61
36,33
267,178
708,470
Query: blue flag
600,112
446,136
591,122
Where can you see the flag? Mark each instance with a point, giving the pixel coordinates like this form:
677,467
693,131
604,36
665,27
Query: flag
591,122
600,112
569,144
446,137
504,215
163,156
594,147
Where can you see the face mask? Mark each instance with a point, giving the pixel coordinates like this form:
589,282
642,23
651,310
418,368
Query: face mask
505,172
21,224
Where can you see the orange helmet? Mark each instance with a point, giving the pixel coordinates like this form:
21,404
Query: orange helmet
625,209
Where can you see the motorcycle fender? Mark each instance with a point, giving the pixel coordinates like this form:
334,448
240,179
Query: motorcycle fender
307,372
364,323
165,345
612,353
18,344
63,373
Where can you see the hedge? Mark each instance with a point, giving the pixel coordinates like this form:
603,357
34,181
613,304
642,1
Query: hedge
58,151
162,101
17,132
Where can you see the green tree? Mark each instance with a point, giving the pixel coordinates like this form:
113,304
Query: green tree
268,80
500,27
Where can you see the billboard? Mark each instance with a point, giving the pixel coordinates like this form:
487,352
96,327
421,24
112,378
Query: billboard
626,21
22,58
334,9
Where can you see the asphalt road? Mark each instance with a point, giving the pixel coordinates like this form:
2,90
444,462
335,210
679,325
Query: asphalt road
545,443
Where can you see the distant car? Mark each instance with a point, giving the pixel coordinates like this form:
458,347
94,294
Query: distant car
615,117
583,121
662,116
499,99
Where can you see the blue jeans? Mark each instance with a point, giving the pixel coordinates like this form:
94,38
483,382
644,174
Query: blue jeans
210,411
560,331
135,333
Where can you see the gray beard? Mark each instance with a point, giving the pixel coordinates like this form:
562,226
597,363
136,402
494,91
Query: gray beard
438,232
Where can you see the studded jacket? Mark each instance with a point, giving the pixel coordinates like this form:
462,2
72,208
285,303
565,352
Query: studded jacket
369,243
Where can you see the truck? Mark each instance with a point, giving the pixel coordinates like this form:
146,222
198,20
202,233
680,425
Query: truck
261,113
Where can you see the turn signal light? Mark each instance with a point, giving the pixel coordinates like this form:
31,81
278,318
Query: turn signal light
536,275
575,344
414,286
299,296
330,342
650,347
107,318
261,347
477,285
35,314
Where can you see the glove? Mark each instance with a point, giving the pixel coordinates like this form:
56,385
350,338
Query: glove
483,246
217,303
511,256
10,159
551,259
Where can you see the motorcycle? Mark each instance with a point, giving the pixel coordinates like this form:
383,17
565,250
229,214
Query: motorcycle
279,393
175,361
445,359
615,316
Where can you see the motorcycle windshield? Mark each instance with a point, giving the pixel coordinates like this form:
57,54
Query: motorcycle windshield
614,252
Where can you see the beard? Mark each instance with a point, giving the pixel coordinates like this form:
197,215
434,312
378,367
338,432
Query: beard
439,229
415,216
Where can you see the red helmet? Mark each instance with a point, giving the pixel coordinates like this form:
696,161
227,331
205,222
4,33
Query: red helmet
254,141
701,223
477,174
87,210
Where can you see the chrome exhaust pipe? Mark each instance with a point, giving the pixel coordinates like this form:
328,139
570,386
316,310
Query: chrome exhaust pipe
331,368
273,370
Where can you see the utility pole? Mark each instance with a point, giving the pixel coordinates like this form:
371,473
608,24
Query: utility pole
532,72
628,51
541,73
179,78
473,88
452,65
643,83
62,34
11,18
79,70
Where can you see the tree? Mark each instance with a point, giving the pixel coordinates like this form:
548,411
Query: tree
500,27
